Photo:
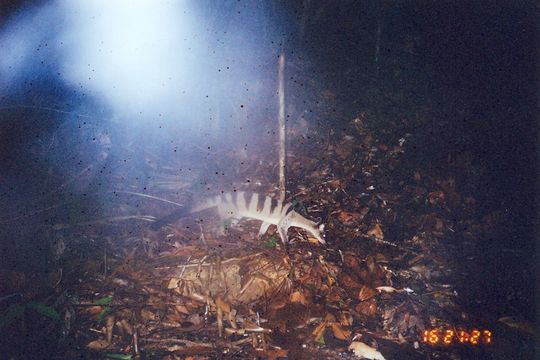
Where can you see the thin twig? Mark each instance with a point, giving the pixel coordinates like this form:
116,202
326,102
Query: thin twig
281,124
44,108
149,196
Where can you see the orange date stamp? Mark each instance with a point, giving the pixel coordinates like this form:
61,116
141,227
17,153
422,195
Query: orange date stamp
443,336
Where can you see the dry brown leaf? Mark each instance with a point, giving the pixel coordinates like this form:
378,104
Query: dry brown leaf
335,294
366,293
154,301
182,309
371,264
299,297
293,315
388,316
98,344
223,305
381,258
329,317
363,275
266,274
124,327
173,317
351,261
348,281
376,231
422,270
330,281
109,325
416,259
219,320
403,322
94,310
367,308
339,332
350,218
277,353
345,217
336,184
272,354
345,318
325,288
319,330
196,319
173,283
249,324
147,315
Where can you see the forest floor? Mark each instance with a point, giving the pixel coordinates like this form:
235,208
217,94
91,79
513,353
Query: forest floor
396,279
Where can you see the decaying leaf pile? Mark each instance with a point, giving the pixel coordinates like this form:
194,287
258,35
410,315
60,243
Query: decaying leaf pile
122,290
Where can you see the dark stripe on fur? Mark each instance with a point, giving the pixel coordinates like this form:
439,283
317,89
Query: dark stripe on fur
260,202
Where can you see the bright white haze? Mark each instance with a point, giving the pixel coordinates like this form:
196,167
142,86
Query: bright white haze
148,60
139,54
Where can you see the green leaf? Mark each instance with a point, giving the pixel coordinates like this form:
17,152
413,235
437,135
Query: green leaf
272,242
118,356
227,223
12,313
43,309
106,311
321,340
106,300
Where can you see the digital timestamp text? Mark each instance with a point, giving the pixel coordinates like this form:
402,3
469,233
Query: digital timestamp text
452,336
